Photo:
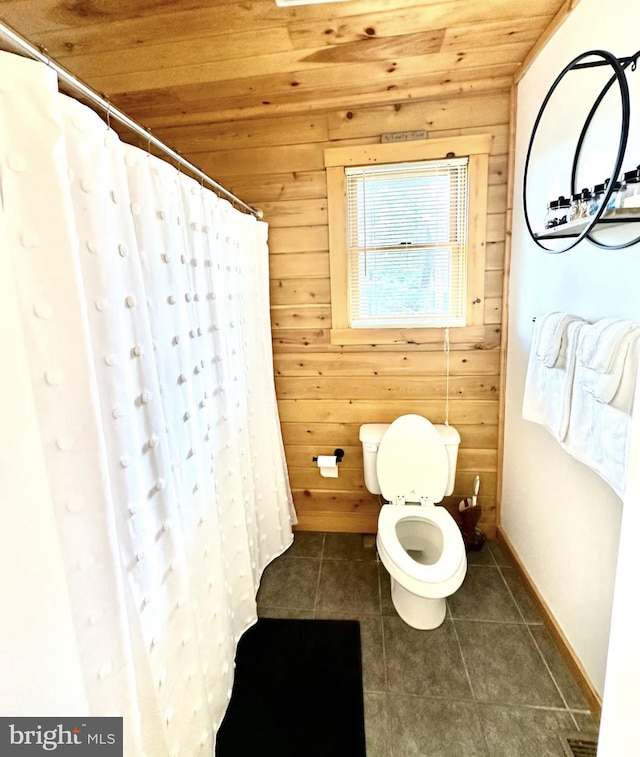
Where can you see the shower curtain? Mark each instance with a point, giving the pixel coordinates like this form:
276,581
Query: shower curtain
144,308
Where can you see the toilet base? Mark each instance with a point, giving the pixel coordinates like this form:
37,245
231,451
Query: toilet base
422,613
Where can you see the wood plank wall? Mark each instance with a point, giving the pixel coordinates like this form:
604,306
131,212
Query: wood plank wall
326,392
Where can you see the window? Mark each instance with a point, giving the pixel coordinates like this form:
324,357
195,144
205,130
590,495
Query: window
407,225
406,243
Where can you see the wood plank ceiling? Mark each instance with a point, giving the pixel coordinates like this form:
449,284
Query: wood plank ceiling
174,62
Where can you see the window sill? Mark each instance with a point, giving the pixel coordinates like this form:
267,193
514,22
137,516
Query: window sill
416,336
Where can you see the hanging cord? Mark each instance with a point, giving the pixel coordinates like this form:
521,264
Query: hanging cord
447,352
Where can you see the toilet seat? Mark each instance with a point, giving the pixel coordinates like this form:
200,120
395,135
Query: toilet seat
453,556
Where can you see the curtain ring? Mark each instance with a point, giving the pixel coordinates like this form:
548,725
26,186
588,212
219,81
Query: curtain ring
148,130
45,52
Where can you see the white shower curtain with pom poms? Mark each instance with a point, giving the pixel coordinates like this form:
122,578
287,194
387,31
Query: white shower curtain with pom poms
144,309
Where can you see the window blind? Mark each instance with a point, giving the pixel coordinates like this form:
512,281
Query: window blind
407,243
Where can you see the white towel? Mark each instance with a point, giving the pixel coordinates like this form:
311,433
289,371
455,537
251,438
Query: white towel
598,432
551,329
548,390
600,341
605,387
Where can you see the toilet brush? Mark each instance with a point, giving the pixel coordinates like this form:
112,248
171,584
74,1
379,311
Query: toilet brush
470,513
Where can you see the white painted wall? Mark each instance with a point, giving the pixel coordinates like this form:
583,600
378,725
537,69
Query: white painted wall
561,518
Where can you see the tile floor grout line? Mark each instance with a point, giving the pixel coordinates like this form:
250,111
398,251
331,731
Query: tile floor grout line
488,702
513,596
384,662
553,678
384,646
464,662
495,562
490,621
466,672
315,599
536,645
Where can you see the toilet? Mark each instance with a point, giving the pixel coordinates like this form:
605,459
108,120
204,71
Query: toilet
412,464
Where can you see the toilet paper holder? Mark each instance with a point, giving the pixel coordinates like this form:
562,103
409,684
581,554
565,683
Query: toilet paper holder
339,454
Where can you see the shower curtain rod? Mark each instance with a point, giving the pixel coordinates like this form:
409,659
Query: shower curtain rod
73,83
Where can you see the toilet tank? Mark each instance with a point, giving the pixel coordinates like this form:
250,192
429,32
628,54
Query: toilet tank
371,434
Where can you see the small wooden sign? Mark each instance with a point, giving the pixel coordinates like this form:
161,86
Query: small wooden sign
403,136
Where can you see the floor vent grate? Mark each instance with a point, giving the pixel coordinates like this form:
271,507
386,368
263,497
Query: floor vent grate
579,745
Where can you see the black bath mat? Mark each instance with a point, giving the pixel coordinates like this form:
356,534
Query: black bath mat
297,692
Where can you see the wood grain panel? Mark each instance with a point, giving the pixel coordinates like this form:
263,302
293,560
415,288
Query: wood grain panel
496,198
369,411
297,339
293,130
445,114
384,388
265,188
365,521
334,520
478,362
337,499
304,71
154,57
498,169
308,477
265,96
299,316
333,435
493,284
493,310
387,22
307,157
301,455
350,479
494,257
307,239
468,338
299,291
494,33
295,213
380,48
496,227
499,135
290,266
319,503
145,18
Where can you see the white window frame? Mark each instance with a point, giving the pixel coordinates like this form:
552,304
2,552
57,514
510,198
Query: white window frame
476,148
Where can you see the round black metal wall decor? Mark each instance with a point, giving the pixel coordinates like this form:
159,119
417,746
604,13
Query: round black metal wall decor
619,76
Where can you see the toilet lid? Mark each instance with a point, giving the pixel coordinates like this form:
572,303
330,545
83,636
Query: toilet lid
412,461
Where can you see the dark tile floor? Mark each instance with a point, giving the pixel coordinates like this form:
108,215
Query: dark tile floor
489,682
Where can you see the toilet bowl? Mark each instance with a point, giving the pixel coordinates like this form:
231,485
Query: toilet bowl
412,462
